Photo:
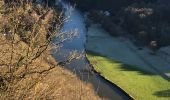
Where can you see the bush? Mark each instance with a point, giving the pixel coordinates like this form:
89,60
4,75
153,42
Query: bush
26,33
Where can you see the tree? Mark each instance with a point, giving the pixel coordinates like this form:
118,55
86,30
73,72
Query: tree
154,47
31,29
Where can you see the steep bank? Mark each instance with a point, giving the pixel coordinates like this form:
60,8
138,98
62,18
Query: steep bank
81,67
56,84
27,69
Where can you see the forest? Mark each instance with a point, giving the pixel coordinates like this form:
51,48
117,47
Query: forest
123,17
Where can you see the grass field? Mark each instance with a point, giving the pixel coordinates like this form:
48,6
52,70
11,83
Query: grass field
138,83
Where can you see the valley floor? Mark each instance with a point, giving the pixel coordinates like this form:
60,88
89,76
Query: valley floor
141,75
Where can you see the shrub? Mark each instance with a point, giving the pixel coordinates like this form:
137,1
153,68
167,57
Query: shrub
26,33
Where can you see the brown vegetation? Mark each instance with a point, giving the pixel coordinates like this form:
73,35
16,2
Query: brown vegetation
54,84
27,69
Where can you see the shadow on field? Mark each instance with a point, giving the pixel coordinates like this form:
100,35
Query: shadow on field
165,93
123,67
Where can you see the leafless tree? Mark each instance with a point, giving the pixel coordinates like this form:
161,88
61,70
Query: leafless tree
27,32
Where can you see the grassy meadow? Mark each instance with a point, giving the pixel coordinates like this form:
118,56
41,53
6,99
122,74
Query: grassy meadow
139,84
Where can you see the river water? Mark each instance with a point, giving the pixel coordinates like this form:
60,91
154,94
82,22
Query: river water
81,67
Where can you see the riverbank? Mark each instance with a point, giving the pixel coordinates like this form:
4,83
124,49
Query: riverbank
56,83
122,66
28,69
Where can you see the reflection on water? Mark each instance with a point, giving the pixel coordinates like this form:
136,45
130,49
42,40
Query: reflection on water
81,67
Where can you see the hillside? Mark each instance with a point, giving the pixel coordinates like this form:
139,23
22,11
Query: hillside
27,68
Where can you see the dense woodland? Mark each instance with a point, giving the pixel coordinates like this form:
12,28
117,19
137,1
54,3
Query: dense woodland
144,20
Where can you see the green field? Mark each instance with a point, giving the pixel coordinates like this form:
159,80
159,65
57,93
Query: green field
138,83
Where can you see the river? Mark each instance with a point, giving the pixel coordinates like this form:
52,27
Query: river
81,67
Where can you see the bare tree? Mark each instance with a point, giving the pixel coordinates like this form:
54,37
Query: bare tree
27,31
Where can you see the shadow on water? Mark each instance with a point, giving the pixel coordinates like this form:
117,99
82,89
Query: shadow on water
102,87
165,93
81,67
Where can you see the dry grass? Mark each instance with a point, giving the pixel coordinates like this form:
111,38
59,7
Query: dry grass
27,70
58,84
